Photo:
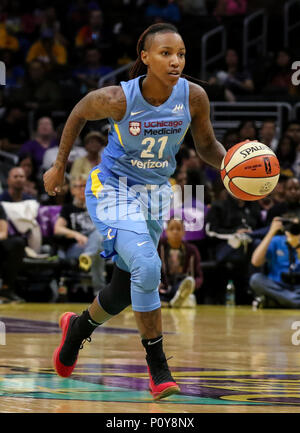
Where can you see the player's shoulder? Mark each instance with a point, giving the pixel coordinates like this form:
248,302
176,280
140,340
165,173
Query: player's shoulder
112,93
112,99
198,98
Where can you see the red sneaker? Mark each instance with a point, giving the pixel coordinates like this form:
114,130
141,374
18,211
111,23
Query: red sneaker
65,356
161,383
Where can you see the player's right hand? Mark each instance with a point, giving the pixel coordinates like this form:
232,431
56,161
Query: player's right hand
54,180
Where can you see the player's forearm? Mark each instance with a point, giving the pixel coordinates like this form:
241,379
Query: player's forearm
71,131
212,154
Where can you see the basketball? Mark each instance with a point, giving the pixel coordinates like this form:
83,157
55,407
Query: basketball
250,170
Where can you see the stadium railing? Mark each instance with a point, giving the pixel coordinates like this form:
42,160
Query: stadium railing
112,75
288,12
258,21
227,115
296,109
206,38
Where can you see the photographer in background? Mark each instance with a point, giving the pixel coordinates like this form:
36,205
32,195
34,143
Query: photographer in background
280,284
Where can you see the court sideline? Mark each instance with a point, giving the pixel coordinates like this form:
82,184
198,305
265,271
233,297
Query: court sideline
225,359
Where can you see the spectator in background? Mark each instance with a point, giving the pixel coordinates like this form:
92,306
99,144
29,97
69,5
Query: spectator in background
279,77
180,176
230,13
290,207
190,204
230,138
230,222
293,131
93,32
190,159
77,16
267,134
47,50
181,268
278,195
39,92
163,10
286,154
45,138
89,74
50,155
51,22
81,237
280,284
31,183
247,130
218,92
230,7
15,191
11,256
14,72
7,38
193,7
13,128
238,81
94,142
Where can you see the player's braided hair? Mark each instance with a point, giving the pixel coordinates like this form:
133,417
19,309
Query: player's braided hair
139,67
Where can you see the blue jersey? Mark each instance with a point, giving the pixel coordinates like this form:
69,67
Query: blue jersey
143,145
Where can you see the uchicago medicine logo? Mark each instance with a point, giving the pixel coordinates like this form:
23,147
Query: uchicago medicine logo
135,128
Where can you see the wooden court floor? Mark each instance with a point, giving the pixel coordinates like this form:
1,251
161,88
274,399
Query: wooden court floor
229,359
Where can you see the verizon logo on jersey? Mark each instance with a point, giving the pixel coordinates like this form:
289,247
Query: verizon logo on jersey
149,164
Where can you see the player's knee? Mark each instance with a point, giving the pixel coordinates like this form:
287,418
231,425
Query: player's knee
146,271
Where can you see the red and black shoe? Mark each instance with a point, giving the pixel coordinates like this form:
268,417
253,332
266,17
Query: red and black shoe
65,356
161,383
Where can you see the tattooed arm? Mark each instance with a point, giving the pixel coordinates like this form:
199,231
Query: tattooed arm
96,105
206,144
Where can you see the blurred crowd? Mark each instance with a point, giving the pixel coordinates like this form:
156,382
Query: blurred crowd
54,55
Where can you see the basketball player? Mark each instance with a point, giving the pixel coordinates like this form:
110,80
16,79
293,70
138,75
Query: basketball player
149,116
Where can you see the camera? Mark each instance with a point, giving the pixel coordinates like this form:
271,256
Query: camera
291,278
291,225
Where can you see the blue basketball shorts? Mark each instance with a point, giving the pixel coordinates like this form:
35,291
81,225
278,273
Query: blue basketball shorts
131,222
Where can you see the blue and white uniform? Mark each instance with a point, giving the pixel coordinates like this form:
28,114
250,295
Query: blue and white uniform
128,193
